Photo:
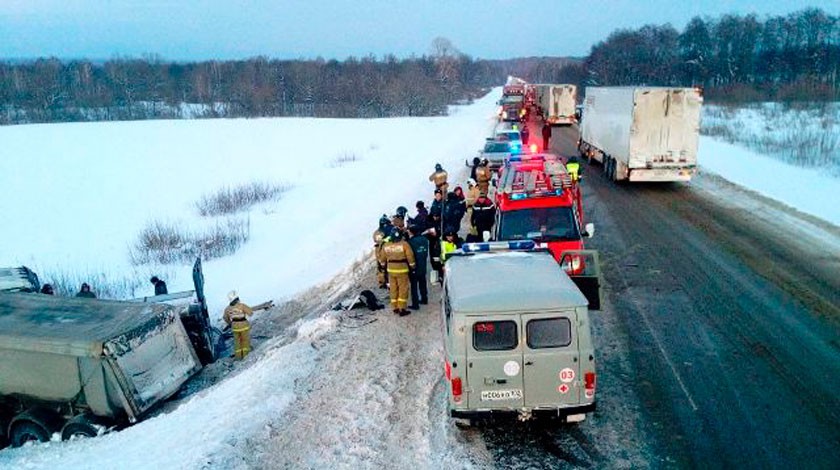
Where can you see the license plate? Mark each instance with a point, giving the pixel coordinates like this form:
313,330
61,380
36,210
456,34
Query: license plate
494,395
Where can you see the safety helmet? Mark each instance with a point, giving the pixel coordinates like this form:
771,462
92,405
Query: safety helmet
471,182
485,161
401,211
384,221
420,204
396,234
438,167
232,295
154,279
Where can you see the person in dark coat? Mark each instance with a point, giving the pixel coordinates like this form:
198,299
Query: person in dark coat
422,218
525,134
85,292
419,280
436,211
483,215
160,286
454,210
546,135
433,235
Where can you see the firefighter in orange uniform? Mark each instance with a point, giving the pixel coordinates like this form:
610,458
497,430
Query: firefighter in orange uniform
378,240
397,256
439,177
483,176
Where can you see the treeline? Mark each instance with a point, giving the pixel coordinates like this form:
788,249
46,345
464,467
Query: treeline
735,58
50,90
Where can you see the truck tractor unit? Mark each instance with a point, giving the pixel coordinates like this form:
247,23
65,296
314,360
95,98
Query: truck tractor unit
537,200
642,133
518,343
512,104
557,103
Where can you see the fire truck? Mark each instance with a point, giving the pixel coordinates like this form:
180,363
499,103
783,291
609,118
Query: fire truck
537,200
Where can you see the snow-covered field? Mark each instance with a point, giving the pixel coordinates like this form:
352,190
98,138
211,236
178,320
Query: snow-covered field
75,196
806,135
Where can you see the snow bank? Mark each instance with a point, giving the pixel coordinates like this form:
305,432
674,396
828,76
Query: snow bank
807,190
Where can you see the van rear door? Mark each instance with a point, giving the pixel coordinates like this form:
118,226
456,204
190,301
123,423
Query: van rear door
494,362
584,268
551,363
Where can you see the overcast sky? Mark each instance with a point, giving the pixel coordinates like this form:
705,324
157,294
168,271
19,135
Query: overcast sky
231,29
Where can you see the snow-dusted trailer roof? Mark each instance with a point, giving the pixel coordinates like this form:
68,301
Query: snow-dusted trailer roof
509,282
115,358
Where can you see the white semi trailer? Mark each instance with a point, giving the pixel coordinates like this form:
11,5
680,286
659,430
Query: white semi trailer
557,103
642,133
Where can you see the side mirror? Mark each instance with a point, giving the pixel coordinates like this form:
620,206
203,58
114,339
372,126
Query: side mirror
485,235
589,230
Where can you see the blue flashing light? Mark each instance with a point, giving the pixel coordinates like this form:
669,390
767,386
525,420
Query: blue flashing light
521,245
518,196
477,247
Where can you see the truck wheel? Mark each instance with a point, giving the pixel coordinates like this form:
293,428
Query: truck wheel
81,426
28,431
463,423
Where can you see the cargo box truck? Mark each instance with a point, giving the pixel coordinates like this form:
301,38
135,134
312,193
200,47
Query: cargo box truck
642,133
557,103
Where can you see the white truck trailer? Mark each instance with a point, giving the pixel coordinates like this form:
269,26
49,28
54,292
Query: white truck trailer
557,103
642,133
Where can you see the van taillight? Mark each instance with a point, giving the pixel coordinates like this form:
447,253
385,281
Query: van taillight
456,388
589,384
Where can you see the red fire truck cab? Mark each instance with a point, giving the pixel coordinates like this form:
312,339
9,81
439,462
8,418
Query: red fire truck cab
537,200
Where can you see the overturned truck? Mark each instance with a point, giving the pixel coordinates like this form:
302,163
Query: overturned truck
81,366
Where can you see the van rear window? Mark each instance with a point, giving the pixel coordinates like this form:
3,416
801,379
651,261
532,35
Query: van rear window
494,335
549,333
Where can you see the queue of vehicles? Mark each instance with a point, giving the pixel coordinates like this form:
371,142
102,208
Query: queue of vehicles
518,343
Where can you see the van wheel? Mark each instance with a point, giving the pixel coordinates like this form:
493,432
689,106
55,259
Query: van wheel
28,431
81,426
463,423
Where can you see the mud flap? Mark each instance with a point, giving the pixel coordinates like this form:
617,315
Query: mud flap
584,268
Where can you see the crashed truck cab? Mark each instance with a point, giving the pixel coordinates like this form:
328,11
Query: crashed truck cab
517,336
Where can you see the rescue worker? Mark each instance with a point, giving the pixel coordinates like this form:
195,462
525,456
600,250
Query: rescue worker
546,135
236,316
398,219
472,192
436,212
85,292
476,162
160,286
483,176
573,167
439,177
422,218
398,258
47,289
450,243
433,235
419,283
483,216
378,239
525,134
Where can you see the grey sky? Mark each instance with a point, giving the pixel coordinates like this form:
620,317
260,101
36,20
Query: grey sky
230,29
